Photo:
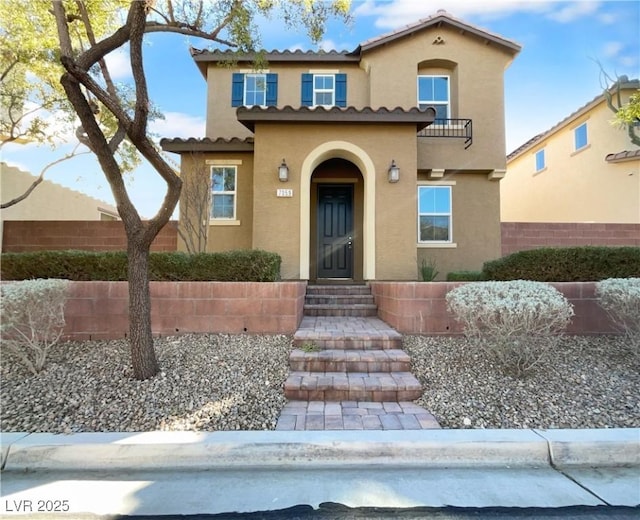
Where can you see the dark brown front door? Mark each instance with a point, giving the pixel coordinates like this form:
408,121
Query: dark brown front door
335,231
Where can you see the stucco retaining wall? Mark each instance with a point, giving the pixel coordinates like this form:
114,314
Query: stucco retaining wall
421,308
99,310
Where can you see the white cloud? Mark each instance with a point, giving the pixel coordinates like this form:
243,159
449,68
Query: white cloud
612,49
391,15
119,65
573,10
177,124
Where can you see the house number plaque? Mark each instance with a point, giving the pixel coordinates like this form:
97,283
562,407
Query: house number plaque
284,192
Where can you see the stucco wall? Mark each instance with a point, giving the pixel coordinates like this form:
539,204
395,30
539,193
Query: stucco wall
475,223
477,92
223,235
575,186
277,221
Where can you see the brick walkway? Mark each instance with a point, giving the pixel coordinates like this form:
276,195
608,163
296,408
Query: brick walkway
353,415
348,370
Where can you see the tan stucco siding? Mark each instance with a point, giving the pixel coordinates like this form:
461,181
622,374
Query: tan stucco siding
221,116
575,186
475,223
276,223
477,93
49,201
222,235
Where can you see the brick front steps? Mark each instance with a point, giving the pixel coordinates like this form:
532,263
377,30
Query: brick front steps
339,300
349,370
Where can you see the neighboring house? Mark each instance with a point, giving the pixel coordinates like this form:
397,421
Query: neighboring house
48,201
584,169
357,165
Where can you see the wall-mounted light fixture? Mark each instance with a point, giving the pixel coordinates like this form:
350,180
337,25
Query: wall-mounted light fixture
283,172
394,172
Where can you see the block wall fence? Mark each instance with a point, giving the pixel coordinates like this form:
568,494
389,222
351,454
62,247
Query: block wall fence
99,310
96,235
87,235
519,236
421,308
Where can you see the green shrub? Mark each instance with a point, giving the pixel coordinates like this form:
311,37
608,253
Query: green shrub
245,265
428,270
32,320
620,297
517,323
569,264
465,276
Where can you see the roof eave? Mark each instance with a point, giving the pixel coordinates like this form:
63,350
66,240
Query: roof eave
250,116
180,146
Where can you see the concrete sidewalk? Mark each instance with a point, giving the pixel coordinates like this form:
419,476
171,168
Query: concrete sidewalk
163,473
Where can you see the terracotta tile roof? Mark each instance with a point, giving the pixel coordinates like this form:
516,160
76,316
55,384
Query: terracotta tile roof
625,84
250,116
625,155
207,144
441,17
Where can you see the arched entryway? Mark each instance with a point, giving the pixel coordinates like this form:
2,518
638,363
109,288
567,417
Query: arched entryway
342,172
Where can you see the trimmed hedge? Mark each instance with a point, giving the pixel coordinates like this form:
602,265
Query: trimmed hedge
230,266
568,264
465,276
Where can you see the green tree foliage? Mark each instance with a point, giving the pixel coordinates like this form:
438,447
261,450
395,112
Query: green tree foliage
35,107
225,23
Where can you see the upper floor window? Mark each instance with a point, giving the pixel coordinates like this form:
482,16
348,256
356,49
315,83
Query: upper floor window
540,160
434,214
326,90
223,192
580,136
433,91
254,90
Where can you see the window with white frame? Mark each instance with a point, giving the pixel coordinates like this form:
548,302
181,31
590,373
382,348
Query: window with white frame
434,214
540,160
433,91
255,90
223,192
324,90
580,136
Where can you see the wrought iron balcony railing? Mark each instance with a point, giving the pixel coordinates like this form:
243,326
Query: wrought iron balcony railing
453,128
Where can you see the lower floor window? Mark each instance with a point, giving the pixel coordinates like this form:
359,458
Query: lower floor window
434,214
223,192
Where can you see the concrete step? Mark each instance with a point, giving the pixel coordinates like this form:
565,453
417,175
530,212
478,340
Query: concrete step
329,332
352,386
339,289
335,360
339,299
356,310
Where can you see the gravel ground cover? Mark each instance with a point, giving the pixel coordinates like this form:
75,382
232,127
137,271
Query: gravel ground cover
234,382
587,382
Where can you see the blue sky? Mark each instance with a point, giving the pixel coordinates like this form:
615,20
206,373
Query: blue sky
556,72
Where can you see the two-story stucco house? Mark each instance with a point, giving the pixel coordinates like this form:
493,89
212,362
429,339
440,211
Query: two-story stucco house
583,169
358,165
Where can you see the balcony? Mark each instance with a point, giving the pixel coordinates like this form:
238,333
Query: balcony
451,128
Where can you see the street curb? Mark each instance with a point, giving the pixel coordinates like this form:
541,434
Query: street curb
596,448
321,449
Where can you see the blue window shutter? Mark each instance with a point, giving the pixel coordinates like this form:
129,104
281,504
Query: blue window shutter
341,90
307,90
237,89
272,90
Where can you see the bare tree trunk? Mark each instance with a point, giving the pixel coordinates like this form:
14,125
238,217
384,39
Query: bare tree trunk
143,356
